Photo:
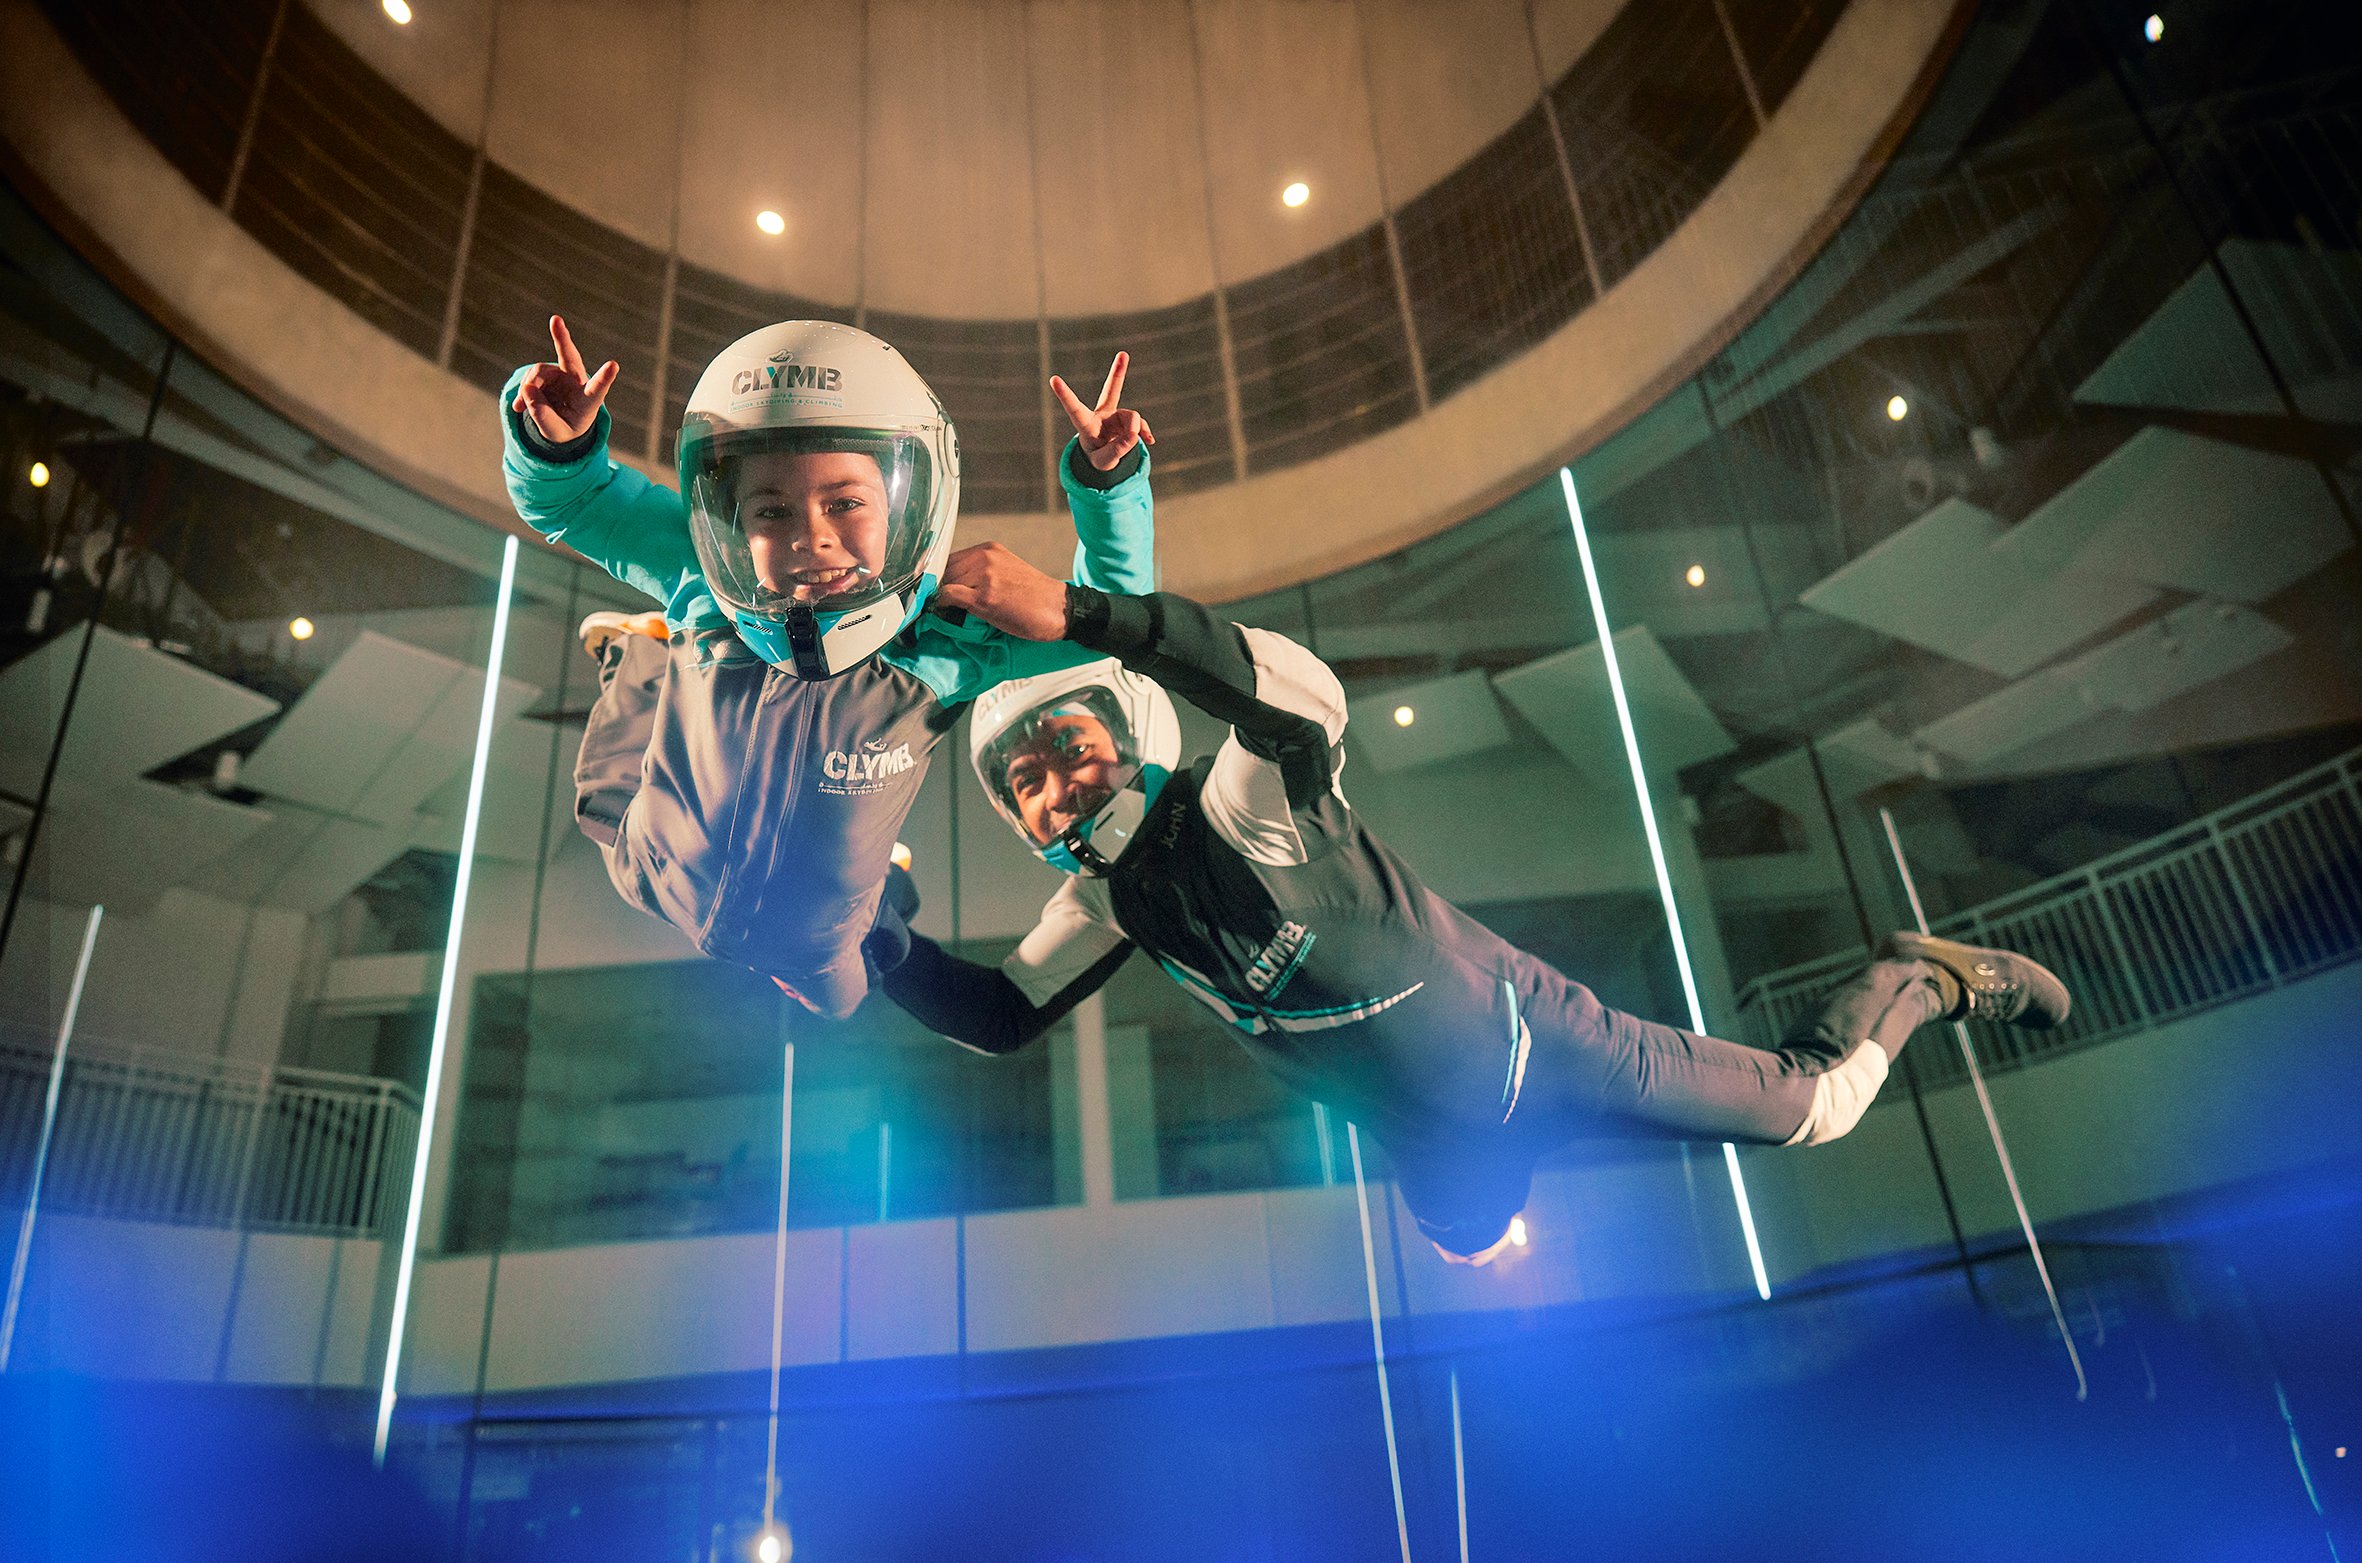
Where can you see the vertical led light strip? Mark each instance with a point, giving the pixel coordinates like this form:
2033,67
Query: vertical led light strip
57,1081
1369,1269
1459,1469
440,1046
787,1108
1976,1076
1656,853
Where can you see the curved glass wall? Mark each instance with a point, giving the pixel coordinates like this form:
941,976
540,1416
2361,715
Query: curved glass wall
2016,537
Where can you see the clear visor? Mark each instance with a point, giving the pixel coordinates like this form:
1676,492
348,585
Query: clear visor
1061,762
824,519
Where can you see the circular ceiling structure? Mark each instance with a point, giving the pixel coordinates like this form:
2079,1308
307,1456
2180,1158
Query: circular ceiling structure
1378,261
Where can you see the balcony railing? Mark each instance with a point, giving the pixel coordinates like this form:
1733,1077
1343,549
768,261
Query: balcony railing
2258,894
147,1135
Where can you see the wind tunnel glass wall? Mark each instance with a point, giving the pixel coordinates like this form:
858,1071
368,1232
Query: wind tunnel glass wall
2027,518
237,683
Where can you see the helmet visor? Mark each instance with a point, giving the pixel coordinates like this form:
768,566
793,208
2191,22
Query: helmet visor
1061,762
822,518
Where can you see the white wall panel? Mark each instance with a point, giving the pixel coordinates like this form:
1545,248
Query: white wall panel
1284,100
1565,28
586,106
950,194
1116,138
774,120
438,60
1445,79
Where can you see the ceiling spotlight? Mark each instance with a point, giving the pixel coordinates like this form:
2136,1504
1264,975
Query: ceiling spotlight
772,1548
2154,28
301,628
771,223
1296,194
1517,1231
39,476
399,10
1404,716
1897,409
1696,575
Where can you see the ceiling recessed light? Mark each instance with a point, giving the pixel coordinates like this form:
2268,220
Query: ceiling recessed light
1897,408
1296,194
1696,575
399,10
2154,28
40,474
301,628
1404,716
771,222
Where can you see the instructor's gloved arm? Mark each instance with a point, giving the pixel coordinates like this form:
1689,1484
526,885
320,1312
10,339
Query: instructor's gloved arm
978,1006
1281,700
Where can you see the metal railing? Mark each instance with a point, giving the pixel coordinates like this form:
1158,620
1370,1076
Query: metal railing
148,1135
2250,897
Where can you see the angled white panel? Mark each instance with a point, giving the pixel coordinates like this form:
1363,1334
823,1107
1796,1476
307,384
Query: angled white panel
1450,717
2034,707
2183,511
384,727
2165,657
440,749
130,844
350,723
138,708
514,792
2195,353
1855,758
2144,667
338,858
1948,583
1566,696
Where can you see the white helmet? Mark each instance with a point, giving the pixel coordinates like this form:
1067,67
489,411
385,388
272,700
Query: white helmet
1018,726
812,388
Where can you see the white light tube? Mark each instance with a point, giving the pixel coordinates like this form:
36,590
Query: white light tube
440,1046
1369,1270
1656,853
57,1080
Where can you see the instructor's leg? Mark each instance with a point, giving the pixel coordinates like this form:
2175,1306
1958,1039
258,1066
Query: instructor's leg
1597,1069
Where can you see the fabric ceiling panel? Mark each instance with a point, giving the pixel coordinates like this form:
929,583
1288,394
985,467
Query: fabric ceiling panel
1566,695
138,708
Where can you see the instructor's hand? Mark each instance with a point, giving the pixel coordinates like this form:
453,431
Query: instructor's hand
1107,431
560,400
1005,592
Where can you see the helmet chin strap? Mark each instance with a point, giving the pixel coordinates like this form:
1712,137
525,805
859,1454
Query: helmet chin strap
1119,821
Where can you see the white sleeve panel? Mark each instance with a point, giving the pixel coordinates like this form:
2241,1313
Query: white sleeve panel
1246,796
1289,678
1077,930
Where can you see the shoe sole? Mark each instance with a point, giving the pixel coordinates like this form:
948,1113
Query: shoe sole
2045,993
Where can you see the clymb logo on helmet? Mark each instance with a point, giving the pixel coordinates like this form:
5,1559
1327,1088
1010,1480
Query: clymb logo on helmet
779,375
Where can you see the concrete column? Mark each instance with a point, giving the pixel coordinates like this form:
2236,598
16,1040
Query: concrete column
1131,1112
1095,1139
1700,927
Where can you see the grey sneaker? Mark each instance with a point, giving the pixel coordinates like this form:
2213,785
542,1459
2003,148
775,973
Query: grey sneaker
1993,984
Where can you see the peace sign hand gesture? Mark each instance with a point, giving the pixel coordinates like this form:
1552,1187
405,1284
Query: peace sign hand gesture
559,398
1107,432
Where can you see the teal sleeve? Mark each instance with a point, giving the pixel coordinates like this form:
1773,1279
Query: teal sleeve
635,530
1115,541
1114,529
